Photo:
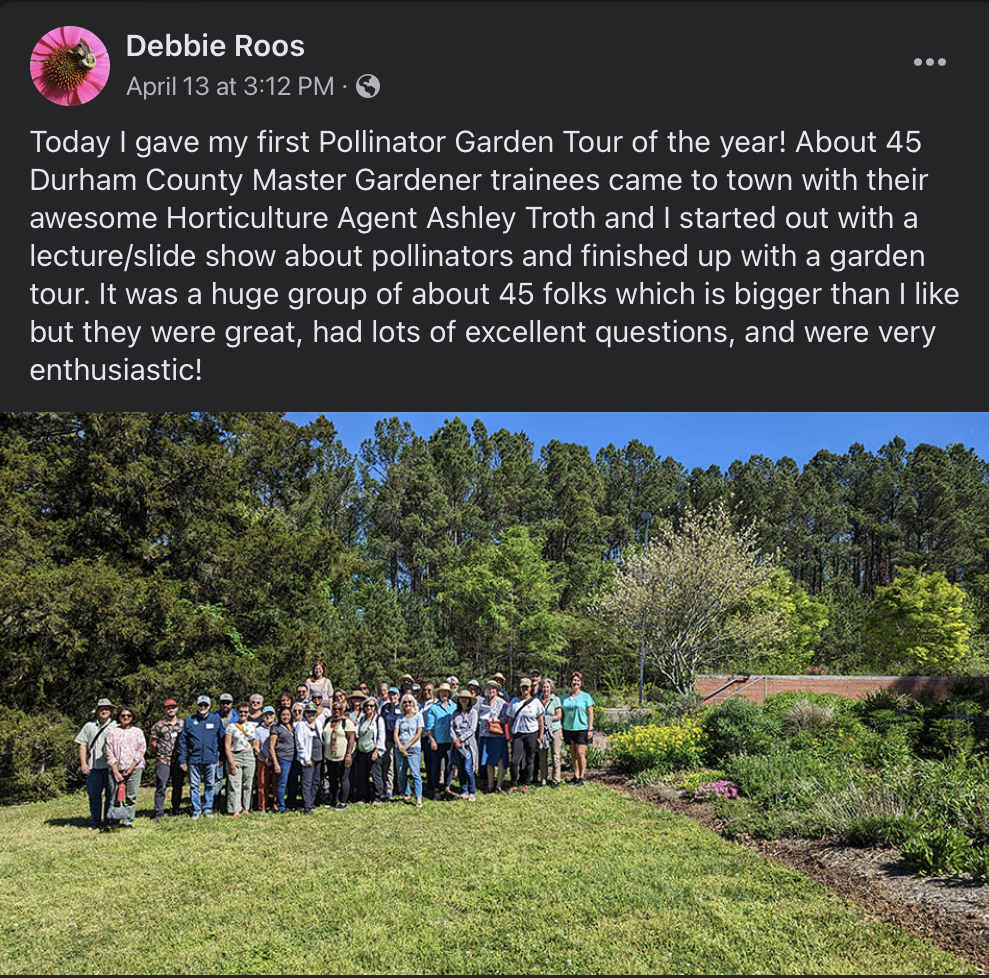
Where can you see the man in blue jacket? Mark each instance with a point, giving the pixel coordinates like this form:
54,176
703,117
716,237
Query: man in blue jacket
199,749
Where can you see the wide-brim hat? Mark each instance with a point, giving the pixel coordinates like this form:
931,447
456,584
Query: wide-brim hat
443,686
102,703
499,678
466,694
357,695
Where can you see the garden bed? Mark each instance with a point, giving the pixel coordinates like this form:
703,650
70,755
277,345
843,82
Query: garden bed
950,912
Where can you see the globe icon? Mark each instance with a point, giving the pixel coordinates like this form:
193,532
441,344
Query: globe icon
368,86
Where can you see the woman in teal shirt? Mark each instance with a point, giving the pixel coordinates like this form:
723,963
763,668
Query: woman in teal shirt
578,726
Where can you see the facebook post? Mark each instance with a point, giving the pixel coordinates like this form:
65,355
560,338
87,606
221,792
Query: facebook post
494,488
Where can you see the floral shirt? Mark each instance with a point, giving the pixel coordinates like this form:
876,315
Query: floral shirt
125,748
166,735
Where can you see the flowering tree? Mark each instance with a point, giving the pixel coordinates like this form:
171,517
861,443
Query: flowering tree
688,600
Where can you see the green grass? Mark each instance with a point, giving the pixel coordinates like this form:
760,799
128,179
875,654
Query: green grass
559,882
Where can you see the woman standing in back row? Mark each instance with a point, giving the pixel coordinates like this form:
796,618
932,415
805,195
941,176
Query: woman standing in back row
578,726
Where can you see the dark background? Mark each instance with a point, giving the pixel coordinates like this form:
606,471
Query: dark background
708,69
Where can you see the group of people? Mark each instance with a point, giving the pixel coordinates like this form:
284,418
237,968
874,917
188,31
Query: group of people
404,743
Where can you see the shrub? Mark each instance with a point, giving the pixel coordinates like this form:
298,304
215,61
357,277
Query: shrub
807,715
888,751
738,727
978,865
38,756
667,748
777,705
938,853
741,818
835,738
881,830
786,778
888,699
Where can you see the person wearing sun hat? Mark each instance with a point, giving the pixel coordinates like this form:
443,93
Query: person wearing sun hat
356,702
92,759
463,728
438,732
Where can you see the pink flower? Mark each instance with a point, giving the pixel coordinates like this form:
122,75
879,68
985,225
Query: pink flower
70,66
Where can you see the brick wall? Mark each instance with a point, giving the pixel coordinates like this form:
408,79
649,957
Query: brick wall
714,689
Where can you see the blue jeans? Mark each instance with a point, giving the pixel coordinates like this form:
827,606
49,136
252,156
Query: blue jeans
98,789
409,765
285,770
465,769
294,780
202,775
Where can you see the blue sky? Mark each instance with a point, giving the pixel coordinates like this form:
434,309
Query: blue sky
699,439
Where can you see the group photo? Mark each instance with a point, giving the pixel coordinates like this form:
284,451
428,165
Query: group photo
324,748
687,693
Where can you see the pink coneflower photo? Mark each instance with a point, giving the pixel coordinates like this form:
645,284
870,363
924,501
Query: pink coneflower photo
69,66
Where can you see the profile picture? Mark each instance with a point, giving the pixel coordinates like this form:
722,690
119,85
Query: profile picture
70,66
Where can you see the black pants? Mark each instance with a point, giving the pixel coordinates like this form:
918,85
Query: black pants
338,774
524,756
368,784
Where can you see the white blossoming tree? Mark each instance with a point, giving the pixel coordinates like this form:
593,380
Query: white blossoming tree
689,599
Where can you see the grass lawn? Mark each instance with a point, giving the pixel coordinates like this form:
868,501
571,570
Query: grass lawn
567,881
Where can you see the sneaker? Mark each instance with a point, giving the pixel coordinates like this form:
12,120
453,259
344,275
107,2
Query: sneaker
195,816
524,789
376,802
580,782
513,791
471,798
341,808
155,818
554,784
208,814
418,803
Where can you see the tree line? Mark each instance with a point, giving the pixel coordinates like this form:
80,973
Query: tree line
144,555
